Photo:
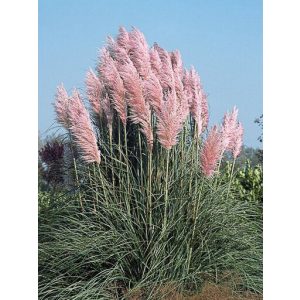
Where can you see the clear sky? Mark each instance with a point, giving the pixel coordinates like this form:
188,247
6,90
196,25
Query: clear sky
221,38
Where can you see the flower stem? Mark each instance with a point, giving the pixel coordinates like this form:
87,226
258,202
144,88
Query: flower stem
112,162
77,182
230,179
195,218
150,189
166,193
103,186
127,173
91,183
75,170
96,190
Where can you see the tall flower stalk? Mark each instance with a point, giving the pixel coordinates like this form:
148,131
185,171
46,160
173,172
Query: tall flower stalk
166,200
195,219
236,147
62,103
232,138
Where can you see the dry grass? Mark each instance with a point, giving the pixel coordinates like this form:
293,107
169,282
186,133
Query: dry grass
209,292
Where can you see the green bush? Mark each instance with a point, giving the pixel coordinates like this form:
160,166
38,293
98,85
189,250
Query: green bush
247,184
49,201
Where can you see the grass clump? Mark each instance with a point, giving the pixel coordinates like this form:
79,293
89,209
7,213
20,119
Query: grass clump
111,252
143,206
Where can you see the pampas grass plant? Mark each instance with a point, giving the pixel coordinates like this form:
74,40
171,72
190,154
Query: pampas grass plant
151,210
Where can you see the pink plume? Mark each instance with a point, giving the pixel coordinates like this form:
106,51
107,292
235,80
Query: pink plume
114,85
197,99
123,39
182,98
204,109
187,86
229,128
211,152
232,133
61,106
169,124
238,140
184,110
110,45
166,76
108,112
177,64
94,89
121,58
140,112
139,53
196,103
155,61
153,93
81,129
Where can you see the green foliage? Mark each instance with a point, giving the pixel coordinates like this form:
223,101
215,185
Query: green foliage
247,184
50,201
141,227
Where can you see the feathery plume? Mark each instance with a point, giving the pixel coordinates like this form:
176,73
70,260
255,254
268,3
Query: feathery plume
165,77
61,106
204,109
155,62
110,45
139,53
183,107
196,98
228,129
196,103
211,152
81,129
232,133
179,88
187,86
153,93
120,56
123,39
114,85
94,89
238,141
140,112
177,63
169,125
108,112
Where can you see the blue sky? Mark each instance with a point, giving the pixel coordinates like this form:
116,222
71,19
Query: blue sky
221,38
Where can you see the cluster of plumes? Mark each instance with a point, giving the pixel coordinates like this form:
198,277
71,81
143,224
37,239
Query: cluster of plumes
227,138
72,114
136,81
197,99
